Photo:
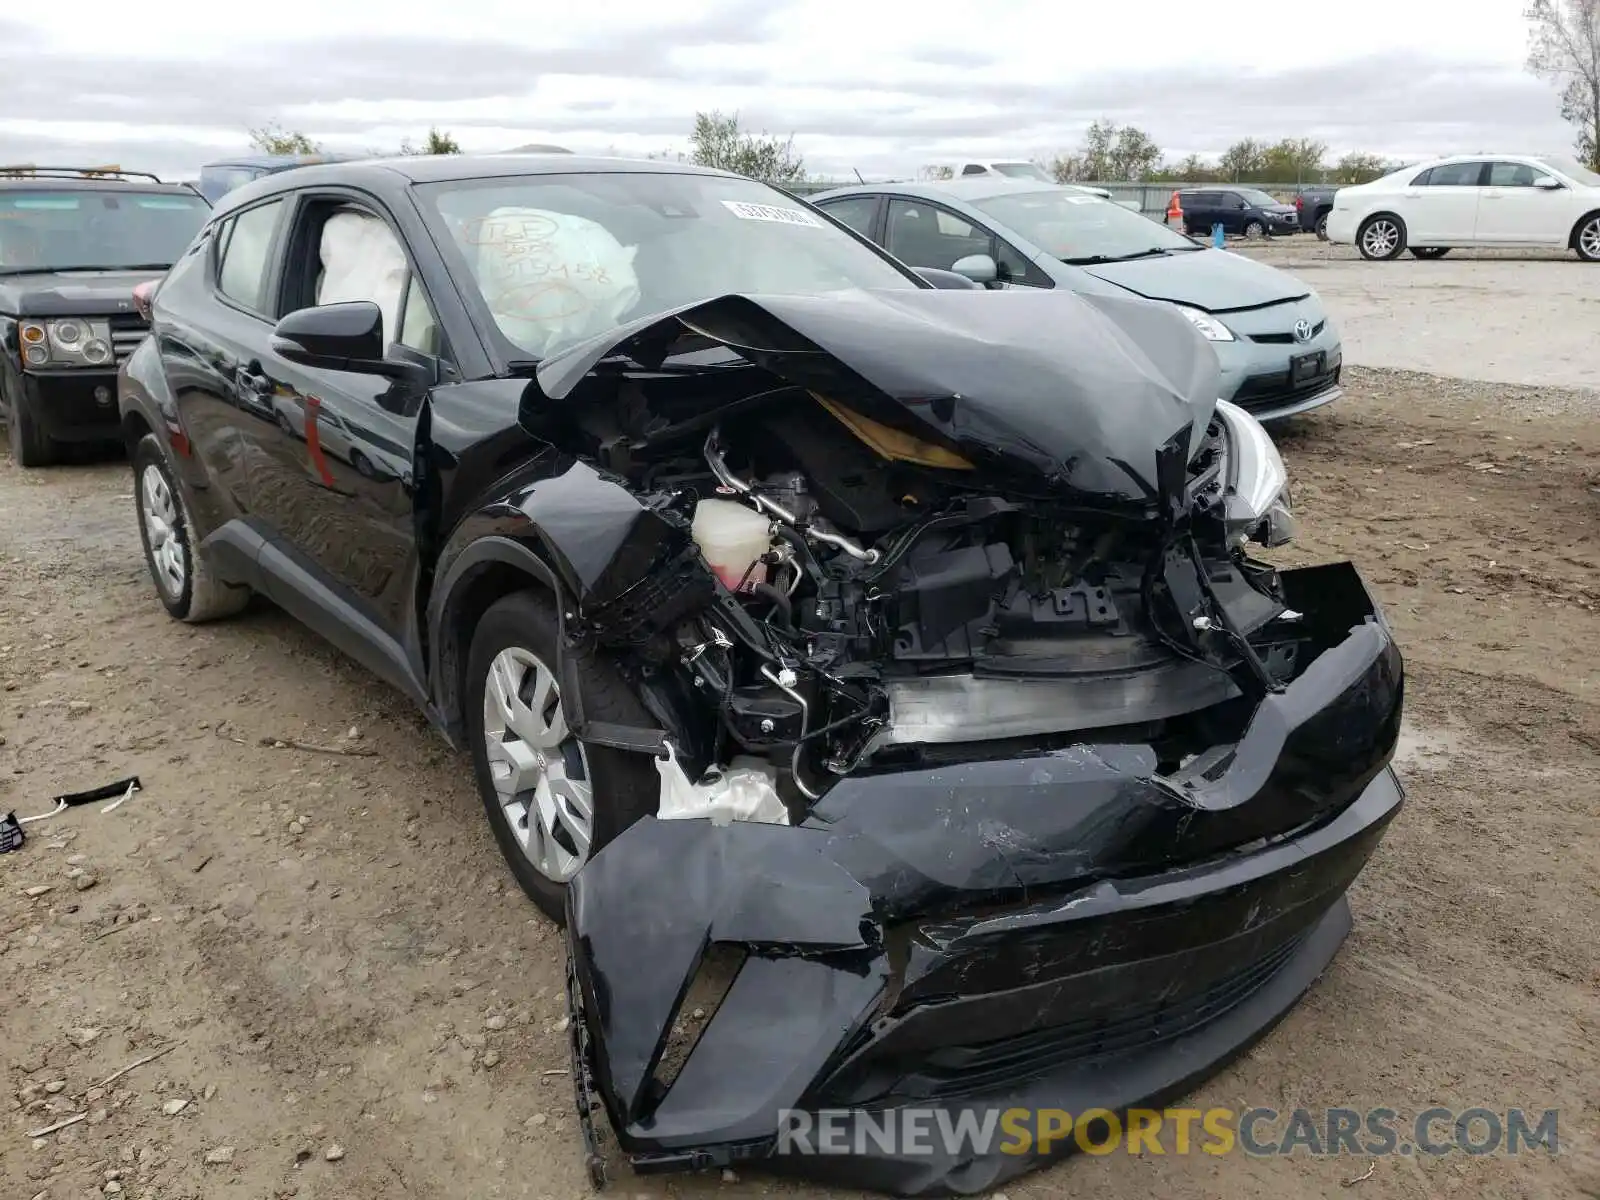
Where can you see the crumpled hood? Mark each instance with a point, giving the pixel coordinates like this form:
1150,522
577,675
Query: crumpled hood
71,293
1213,280
1085,390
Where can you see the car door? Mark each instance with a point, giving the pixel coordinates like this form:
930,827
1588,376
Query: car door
338,497
1514,210
215,327
1440,208
1199,210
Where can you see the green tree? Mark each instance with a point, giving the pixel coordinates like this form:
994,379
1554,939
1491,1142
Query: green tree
1243,161
1065,168
273,138
437,142
1356,167
718,141
1564,47
1293,160
1134,156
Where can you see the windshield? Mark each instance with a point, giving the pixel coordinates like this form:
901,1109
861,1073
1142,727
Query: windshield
96,229
1256,196
561,258
1574,172
1023,170
1076,227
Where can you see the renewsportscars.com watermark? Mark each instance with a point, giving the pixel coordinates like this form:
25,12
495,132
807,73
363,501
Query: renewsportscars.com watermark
1215,1131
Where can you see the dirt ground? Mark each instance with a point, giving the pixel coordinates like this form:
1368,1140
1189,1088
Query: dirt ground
355,1003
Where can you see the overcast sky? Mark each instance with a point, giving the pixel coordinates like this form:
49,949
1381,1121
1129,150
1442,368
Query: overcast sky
880,87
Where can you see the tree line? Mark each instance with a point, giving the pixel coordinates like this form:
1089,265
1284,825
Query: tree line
274,139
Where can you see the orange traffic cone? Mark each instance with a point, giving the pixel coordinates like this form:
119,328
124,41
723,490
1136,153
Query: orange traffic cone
1174,211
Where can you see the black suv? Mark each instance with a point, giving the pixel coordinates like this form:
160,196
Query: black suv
788,604
1241,211
74,245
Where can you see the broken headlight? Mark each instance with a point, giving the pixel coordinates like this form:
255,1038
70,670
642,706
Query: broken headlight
1257,504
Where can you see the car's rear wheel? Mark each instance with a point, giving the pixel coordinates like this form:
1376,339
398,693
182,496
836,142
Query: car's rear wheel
552,800
188,587
1254,230
1381,237
1429,251
1586,238
1322,228
30,446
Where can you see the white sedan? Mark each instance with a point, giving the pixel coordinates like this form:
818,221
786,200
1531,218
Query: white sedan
1471,200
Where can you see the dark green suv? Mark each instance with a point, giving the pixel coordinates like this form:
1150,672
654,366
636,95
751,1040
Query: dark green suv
75,243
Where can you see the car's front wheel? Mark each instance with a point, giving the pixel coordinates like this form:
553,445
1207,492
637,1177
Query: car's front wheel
188,587
1586,238
1429,251
1254,230
552,799
30,447
1381,237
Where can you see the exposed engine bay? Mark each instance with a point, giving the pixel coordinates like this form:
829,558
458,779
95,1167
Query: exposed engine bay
844,594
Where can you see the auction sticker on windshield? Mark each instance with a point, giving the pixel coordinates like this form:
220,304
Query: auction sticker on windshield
747,211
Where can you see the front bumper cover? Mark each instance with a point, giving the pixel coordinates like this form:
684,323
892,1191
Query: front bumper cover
1068,930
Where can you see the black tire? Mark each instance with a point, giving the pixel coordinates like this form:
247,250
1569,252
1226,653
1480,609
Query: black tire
1427,252
363,465
200,595
1586,238
624,787
1381,249
1255,230
1322,228
30,447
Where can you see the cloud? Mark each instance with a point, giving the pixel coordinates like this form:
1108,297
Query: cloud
852,83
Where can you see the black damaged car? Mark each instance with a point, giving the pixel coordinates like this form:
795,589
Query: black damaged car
75,245
878,663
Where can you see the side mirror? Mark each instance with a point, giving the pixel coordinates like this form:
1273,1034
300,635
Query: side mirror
338,337
1547,183
948,280
980,268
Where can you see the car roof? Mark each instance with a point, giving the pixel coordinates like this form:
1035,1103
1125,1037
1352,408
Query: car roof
971,188
68,183
386,173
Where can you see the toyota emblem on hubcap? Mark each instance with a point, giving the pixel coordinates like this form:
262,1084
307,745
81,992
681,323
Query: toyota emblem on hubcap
1302,331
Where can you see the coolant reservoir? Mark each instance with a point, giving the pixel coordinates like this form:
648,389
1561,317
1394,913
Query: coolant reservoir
732,538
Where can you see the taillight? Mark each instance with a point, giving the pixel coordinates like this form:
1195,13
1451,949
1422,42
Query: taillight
144,295
1299,202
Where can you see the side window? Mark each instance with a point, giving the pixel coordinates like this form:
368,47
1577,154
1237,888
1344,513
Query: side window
1232,200
854,211
1512,174
242,252
1424,179
923,235
1015,267
418,328
972,169
1456,175
361,259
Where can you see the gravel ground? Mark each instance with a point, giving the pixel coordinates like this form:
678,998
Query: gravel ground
353,1003
1520,317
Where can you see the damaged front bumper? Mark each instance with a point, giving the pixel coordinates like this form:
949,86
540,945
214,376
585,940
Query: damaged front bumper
1067,930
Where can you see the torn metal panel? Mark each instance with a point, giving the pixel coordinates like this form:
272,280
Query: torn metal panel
971,365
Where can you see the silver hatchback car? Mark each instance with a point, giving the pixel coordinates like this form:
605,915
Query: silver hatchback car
1279,350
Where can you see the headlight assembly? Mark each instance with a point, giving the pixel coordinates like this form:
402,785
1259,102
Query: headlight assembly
1210,328
1257,505
67,342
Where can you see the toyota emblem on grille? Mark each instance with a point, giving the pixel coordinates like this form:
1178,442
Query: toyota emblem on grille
1302,331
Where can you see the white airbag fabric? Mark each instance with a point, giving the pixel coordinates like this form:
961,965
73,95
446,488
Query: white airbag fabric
361,260
550,278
